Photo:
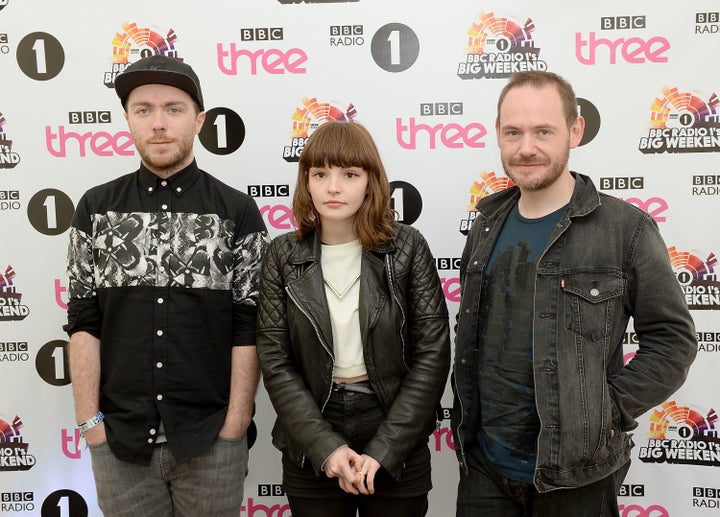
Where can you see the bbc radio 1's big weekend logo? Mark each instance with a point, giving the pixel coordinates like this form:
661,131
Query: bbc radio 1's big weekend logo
683,435
498,47
697,277
13,451
308,117
8,158
682,122
11,307
135,43
489,184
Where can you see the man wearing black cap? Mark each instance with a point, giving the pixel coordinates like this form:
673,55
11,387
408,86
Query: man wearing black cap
163,270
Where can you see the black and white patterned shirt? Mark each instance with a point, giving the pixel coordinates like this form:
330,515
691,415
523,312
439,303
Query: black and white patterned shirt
165,274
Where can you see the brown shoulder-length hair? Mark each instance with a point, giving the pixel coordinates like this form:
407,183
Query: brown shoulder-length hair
346,144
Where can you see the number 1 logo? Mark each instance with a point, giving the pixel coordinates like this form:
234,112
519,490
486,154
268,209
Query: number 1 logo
395,47
40,56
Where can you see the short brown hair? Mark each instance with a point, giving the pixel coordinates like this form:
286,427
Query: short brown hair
346,144
540,79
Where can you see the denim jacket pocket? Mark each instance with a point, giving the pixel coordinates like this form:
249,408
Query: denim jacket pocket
590,301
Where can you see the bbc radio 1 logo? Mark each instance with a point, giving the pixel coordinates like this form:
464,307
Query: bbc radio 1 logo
705,497
684,435
498,47
308,117
14,352
706,185
628,47
76,139
10,200
489,183
40,56
223,131
258,52
136,42
708,342
11,306
698,278
17,502
707,23
8,158
346,35
439,131
682,122
14,454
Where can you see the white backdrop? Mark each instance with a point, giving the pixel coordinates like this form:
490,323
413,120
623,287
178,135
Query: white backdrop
423,77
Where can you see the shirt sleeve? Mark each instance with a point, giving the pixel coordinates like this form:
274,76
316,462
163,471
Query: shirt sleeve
250,246
83,312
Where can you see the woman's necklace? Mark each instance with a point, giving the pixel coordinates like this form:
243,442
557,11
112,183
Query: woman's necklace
341,292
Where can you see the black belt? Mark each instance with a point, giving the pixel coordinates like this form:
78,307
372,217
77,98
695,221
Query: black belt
357,387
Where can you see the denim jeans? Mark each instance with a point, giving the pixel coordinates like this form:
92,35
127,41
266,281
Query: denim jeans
482,492
208,484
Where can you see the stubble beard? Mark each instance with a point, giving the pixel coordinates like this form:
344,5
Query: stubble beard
542,182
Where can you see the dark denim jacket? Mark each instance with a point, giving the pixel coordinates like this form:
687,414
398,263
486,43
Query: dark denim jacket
604,263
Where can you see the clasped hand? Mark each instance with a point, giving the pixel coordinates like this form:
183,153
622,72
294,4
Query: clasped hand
355,472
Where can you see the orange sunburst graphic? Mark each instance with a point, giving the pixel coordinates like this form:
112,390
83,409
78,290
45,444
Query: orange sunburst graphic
489,184
491,27
675,102
692,263
312,113
147,40
672,419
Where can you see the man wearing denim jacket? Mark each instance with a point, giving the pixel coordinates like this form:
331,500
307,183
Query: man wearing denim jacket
551,273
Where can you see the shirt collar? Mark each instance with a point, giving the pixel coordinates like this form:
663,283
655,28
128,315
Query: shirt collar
179,182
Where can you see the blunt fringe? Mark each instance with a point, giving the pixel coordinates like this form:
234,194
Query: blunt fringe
346,144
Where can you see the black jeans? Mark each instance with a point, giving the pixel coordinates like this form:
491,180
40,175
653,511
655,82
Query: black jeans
483,492
357,416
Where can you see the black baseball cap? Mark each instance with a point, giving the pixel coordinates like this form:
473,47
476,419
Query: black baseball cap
159,69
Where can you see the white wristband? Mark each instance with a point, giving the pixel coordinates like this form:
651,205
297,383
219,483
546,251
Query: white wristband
89,424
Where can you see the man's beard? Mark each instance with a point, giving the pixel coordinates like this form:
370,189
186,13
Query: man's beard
556,170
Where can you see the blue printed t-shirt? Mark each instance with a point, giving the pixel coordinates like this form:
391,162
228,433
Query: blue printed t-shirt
509,421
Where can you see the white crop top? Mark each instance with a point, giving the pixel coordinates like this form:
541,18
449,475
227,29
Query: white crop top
341,272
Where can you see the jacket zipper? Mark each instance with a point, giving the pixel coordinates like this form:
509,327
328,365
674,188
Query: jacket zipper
324,345
402,312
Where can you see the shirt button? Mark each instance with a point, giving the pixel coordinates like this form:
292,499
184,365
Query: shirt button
159,364
159,397
164,207
150,440
163,183
161,269
594,292
153,432
159,332
178,190
160,300
150,189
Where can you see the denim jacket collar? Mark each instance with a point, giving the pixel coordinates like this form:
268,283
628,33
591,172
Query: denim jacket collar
584,200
